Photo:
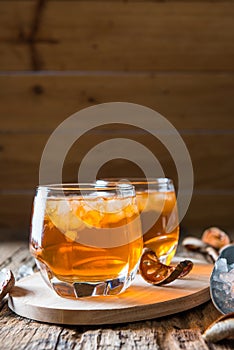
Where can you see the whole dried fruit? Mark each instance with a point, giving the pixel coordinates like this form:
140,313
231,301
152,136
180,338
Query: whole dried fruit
221,329
156,273
196,244
193,243
215,237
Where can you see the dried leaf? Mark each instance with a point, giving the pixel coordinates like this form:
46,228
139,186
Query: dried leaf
156,273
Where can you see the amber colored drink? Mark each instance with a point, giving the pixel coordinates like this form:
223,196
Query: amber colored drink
157,204
91,242
162,234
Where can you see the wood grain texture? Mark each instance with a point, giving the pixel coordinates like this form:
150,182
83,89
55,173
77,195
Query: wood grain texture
182,330
174,56
158,35
31,298
191,102
212,158
9,249
15,213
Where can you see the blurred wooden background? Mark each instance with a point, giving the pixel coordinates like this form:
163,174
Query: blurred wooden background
177,57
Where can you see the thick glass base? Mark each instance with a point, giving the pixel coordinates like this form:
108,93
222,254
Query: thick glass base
82,289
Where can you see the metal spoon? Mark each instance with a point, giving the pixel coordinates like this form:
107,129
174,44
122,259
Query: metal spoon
222,283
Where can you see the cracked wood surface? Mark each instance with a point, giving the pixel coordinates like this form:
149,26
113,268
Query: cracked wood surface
180,331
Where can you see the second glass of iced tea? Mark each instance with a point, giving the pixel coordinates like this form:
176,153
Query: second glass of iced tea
156,200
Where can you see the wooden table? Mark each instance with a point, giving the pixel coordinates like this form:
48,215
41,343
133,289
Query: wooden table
179,331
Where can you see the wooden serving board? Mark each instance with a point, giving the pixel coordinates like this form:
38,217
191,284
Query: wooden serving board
32,298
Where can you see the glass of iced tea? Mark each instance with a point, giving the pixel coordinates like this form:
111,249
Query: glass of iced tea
156,200
86,238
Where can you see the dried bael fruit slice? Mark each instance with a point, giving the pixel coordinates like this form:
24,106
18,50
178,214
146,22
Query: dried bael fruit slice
156,273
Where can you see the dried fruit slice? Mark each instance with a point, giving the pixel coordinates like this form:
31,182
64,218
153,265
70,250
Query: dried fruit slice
156,273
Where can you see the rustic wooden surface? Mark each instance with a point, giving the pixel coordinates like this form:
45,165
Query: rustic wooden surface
32,299
199,102
181,331
177,57
22,167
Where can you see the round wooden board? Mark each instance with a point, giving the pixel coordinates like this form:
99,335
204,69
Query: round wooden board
31,298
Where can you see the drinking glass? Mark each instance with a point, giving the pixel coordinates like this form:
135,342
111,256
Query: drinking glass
86,238
156,200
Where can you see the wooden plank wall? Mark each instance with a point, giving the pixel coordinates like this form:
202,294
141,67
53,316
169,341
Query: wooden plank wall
177,57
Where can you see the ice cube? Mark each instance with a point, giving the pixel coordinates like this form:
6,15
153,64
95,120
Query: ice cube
156,201
227,276
231,275
106,206
117,205
62,215
216,277
71,236
218,285
221,265
222,285
227,288
63,207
